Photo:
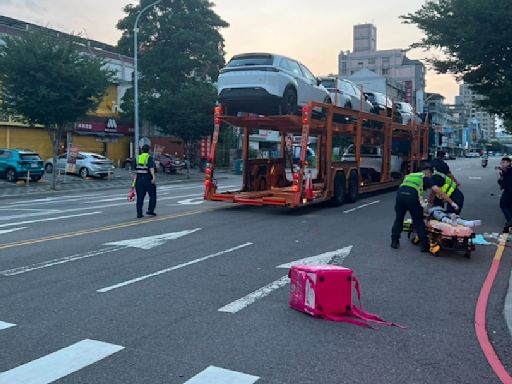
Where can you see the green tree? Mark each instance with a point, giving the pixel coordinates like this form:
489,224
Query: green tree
475,37
181,51
50,81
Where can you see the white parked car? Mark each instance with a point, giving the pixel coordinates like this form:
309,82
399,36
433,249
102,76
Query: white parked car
87,164
346,94
405,112
265,83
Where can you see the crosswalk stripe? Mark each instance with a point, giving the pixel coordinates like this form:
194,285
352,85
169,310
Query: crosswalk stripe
4,325
56,365
215,375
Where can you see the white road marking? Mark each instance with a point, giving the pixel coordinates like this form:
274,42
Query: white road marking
4,325
11,230
215,375
59,364
62,260
475,178
196,201
362,206
152,241
48,219
325,258
179,266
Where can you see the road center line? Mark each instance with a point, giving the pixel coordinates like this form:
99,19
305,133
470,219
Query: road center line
108,228
179,266
362,206
56,365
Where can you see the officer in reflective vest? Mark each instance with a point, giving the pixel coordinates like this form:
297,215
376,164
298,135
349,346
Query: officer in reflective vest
408,200
447,185
146,182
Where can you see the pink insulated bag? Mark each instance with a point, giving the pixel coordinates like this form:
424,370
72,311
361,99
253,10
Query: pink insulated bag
325,291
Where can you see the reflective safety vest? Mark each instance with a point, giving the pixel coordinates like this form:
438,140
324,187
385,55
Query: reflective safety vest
414,180
449,185
142,163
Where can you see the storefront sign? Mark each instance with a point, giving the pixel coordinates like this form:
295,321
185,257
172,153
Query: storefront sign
206,143
104,126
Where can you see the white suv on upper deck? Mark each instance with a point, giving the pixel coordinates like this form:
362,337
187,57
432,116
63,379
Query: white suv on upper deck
265,83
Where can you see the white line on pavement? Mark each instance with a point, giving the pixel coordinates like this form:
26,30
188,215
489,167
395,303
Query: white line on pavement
215,375
179,266
4,325
62,260
11,230
475,178
362,206
150,242
325,258
56,365
48,219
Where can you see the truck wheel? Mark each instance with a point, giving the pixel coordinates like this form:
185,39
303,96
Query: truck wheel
353,187
338,197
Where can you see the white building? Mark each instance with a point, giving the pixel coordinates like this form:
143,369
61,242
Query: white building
392,63
486,122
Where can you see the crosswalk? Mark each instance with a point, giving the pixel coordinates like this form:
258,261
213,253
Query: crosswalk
73,358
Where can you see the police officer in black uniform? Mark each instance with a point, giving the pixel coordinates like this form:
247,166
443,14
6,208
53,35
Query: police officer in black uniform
146,181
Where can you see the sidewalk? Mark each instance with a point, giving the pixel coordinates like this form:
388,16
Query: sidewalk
121,178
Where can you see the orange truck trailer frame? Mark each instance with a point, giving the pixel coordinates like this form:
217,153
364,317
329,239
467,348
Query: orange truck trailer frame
266,182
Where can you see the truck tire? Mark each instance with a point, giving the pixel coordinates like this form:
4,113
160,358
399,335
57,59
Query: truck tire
339,194
353,187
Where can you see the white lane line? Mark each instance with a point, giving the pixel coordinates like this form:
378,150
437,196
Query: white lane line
337,256
4,325
362,206
179,266
475,178
62,260
252,297
48,219
11,230
59,364
216,375
196,201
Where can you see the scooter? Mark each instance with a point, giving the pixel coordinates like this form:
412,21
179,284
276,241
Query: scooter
484,162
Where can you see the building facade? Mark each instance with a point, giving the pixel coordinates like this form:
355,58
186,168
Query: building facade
392,64
484,122
101,131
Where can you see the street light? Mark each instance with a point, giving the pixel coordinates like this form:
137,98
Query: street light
136,75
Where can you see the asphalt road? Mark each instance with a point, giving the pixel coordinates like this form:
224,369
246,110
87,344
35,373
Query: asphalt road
81,303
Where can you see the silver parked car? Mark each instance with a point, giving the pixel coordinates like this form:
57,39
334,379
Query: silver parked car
405,112
346,94
87,164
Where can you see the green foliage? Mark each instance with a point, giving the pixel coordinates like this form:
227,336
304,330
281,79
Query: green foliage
475,37
50,81
180,53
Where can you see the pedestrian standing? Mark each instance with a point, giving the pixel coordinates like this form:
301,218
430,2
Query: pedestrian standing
440,165
505,182
146,182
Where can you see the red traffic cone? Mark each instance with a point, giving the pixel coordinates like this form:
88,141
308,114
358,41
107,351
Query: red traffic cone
309,187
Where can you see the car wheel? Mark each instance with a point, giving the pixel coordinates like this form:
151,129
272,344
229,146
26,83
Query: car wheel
338,197
84,172
348,106
353,187
289,102
48,168
10,175
327,100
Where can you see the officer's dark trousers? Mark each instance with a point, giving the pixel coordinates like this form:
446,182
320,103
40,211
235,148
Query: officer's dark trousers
407,200
142,186
506,206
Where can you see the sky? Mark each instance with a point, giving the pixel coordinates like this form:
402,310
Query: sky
311,31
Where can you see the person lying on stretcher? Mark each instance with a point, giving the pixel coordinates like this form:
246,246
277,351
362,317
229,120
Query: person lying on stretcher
438,213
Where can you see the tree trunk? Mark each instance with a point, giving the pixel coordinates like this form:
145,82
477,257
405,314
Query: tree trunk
57,133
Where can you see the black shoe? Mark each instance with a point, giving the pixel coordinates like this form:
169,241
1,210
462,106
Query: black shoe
140,216
395,244
150,213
